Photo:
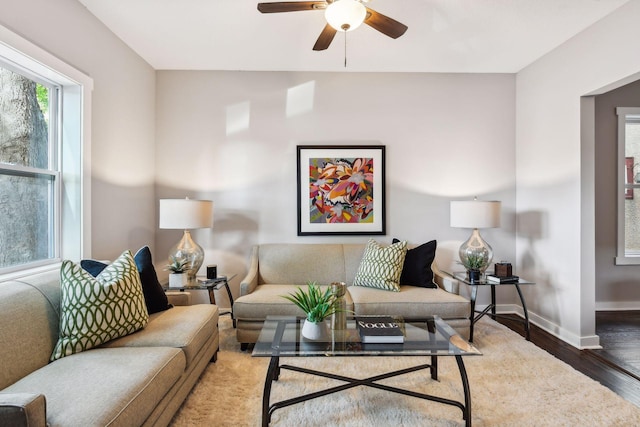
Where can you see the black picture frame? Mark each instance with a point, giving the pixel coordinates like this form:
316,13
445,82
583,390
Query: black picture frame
341,190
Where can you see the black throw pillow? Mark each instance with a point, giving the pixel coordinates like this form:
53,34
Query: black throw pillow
154,296
92,266
416,270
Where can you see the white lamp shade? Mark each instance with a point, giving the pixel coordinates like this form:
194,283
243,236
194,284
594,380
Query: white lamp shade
186,214
475,214
345,15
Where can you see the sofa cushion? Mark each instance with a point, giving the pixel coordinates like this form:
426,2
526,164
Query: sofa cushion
154,296
186,328
108,386
381,267
416,270
352,258
299,263
267,300
410,301
96,310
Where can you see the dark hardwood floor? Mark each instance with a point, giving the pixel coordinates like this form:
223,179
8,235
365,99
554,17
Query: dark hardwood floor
619,333
589,362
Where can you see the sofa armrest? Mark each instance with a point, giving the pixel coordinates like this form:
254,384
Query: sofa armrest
250,281
23,409
445,281
178,298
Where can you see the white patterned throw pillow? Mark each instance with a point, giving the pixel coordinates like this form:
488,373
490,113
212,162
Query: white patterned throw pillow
96,310
381,267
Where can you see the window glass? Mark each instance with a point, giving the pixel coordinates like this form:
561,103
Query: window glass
28,173
632,199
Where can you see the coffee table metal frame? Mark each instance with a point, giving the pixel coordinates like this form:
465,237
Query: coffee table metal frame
432,337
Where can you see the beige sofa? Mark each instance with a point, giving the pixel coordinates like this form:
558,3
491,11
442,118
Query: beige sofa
277,269
137,380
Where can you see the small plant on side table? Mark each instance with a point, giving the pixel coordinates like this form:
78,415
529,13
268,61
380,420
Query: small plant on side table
178,268
474,263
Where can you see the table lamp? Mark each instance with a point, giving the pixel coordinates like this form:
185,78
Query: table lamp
186,214
475,253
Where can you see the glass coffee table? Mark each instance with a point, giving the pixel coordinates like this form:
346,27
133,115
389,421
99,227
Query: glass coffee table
429,337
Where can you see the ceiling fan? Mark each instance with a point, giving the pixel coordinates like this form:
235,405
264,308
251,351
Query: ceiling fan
341,15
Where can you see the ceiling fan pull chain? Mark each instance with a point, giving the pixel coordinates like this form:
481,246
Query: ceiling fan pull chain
345,49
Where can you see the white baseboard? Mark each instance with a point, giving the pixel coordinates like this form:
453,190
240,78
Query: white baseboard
617,305
582,343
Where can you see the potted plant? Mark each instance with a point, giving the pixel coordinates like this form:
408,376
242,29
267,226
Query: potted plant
178,268
317,306
474,263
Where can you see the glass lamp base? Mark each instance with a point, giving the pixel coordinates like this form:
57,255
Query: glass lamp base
191,251
475,253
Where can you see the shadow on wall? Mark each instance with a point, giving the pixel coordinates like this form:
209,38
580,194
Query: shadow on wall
122,217
226,245
241,229
532,226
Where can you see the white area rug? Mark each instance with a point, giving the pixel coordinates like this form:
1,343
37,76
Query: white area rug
514,383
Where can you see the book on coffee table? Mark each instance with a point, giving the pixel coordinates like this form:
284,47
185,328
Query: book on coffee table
379,330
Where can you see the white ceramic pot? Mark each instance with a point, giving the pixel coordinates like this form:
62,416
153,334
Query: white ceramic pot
178,280
315,331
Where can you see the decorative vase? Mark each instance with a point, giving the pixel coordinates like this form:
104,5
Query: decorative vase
178,280
315,331
339,318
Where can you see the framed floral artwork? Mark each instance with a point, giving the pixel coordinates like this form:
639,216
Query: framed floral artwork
341,189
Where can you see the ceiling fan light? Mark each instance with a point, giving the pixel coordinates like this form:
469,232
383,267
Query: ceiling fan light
345,15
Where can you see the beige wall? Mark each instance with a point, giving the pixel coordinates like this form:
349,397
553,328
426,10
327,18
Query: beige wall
555,171
232,136
123,116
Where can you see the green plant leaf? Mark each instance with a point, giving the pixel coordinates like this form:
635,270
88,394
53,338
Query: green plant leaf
316,305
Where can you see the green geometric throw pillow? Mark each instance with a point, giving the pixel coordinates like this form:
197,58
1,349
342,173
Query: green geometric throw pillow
381,267
96,310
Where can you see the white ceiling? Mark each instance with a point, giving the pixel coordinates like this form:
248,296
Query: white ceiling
443,35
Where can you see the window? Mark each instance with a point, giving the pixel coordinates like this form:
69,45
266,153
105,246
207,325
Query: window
44,162
29,172
629,186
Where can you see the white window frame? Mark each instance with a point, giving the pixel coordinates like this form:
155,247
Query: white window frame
622,257
74,155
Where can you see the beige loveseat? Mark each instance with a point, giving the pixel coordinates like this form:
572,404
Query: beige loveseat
278,269
137,380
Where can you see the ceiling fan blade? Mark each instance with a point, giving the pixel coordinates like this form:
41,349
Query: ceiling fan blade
326,37
384,24
291,6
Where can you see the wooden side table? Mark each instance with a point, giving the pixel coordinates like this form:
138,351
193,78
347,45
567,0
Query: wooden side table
473,318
